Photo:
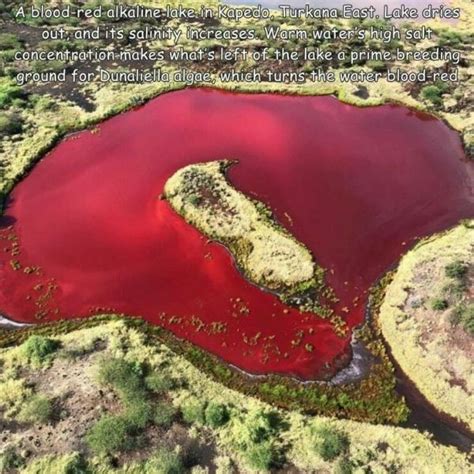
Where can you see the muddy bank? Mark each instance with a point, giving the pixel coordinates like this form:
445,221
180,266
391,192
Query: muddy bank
8,324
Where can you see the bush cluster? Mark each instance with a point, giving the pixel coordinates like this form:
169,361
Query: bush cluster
10,124
456,270
36,409
329,443
39,349
134,387
439,304
463,315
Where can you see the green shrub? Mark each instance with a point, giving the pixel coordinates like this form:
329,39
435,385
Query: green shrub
36,409
344,466
165,413
439,304
455,289
450,38
47,66
71,463
463,315
329,443
159,383
379,66
39,349
138,413
456,270
260,427
216,415
10,124
10,460
193,411
260,456
9,91
165,462
108,435
432,94
123,376
9,41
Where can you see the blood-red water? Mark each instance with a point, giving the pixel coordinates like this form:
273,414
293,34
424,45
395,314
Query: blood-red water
356,185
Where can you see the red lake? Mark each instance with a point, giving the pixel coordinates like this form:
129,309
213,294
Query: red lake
86,233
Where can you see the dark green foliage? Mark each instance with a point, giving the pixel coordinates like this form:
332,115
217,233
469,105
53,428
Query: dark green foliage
10,124
39,349
165,413
36,409
9,91
456,270
344,466
159,383
138,413
329,443
193,412
216,415
126,378
455,290
439,304
47,66
463,315
450,38
10,460
432,94
9,41
261,427
165,462
261,456
108,435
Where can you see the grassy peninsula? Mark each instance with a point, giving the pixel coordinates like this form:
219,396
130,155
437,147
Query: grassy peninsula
267,254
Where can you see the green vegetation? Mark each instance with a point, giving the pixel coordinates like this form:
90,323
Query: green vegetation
451,38
36,409
158,383
216,415
165,461
456,270
255,435
329,444
9,41
39,350
261,456
193,411
10,124
454,290
9,91
110,434
439,304
436,266
165,414
10,460
47,66
71,463
463,315
432,94
268,254
127,380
